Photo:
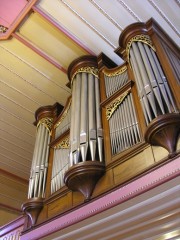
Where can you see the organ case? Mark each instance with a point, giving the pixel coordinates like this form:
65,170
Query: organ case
103,137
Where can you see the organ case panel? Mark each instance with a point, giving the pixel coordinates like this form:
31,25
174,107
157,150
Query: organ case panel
119,111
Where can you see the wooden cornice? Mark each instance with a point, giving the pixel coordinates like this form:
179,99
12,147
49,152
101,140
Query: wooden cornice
81,62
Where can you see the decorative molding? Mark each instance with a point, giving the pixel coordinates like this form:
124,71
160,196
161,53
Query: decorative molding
17,223
88,24
129,10
138,38
47,122
86,63
114,73
3,29
111,108
64,144
164,17
106,14
48,112
124,193
91,70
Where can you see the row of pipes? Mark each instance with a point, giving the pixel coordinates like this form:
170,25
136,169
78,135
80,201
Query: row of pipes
84,118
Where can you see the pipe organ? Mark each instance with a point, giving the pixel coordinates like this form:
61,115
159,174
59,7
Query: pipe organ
112,120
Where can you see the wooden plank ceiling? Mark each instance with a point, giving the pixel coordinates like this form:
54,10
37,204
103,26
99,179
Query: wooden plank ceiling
41,40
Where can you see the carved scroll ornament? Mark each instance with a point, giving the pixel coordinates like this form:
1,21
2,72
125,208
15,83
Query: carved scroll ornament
111,108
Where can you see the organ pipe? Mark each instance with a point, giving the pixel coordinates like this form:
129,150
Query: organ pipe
86,135
86,128
39,162
154,92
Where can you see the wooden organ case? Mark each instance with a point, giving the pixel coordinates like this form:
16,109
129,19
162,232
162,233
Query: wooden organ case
120,122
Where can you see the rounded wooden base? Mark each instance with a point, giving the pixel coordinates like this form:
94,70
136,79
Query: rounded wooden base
163,131
83,177
32,208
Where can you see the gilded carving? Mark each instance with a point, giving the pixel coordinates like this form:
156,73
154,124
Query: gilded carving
3,29
139,38
63,115
111,108
115,73
64,144
91,70
47,122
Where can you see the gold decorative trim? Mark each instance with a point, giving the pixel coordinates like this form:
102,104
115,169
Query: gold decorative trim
64,144
63,115
139,38
111,108
47,122
115,73
3,29
91,70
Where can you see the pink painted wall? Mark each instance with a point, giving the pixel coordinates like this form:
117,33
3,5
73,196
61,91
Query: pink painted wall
9,10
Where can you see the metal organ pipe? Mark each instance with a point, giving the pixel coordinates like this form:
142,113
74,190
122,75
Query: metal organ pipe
76,137
154,92
92,116
40,162
84,116
123,125
86,137
98,120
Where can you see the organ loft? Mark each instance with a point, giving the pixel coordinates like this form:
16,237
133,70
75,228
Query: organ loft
119,124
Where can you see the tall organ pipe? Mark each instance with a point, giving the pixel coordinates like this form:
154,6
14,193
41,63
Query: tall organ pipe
154,92
84,112
39,163
86,136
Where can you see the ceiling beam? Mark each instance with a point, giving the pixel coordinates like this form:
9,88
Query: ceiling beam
39,51
14,177
10,208
62,29
18,20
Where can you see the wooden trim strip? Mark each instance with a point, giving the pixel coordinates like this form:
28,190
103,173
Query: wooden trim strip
12,209
18,222
124,193
13,176
63,30
18,20
39,52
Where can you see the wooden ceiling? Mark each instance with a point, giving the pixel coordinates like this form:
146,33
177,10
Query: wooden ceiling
39,41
